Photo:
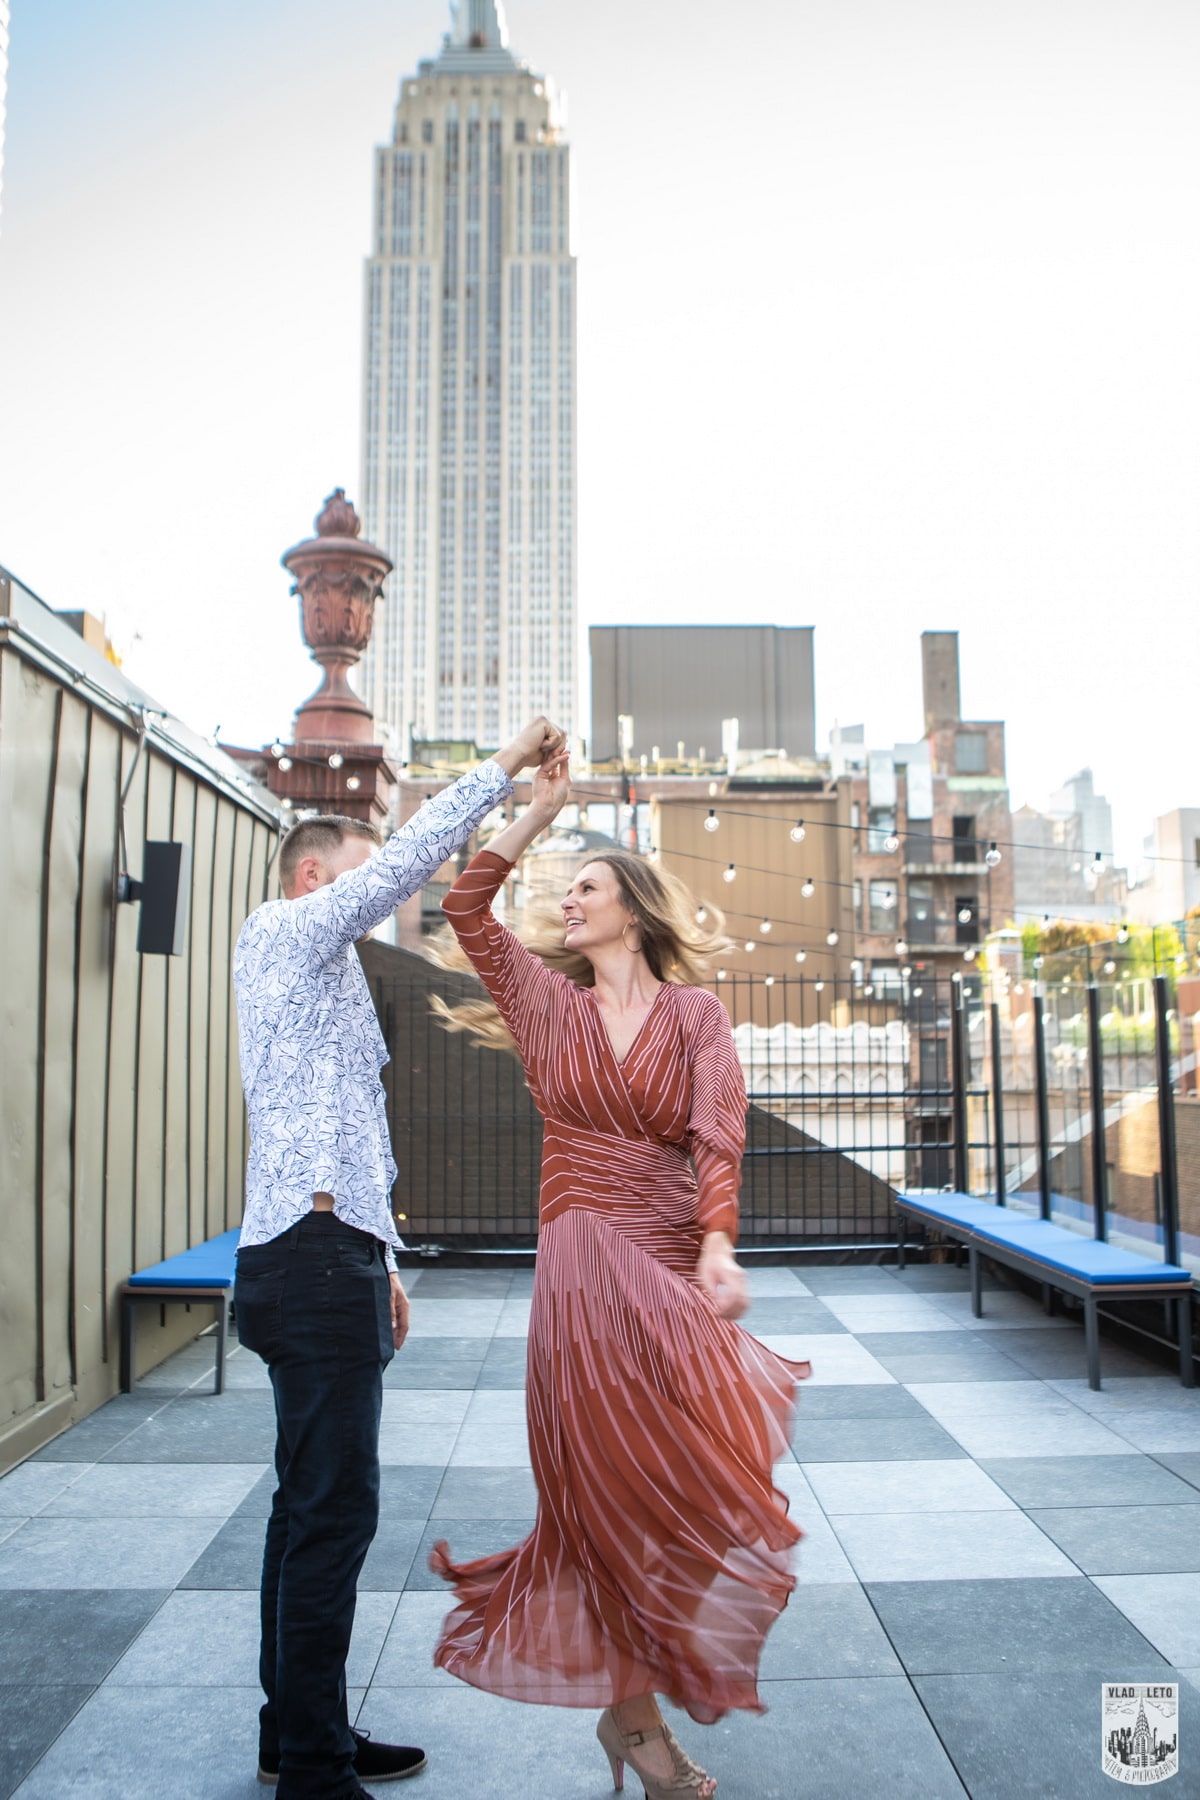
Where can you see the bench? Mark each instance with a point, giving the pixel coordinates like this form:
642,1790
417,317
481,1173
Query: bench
202,1275
1061,1260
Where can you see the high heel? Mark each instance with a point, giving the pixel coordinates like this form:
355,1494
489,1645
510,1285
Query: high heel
688,1778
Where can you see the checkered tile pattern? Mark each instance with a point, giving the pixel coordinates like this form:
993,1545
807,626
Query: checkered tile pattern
987,1541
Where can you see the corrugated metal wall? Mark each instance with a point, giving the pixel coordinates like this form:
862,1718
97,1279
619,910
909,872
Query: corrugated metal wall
122,1130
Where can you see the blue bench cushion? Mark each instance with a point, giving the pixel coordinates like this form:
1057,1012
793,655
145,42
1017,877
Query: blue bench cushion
1085,1257
204,1265
955,1209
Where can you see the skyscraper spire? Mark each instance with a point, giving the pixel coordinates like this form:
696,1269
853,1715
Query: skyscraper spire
478,24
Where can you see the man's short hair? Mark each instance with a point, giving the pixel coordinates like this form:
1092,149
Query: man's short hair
320,837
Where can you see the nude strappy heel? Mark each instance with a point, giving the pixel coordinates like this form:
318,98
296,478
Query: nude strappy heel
688,1778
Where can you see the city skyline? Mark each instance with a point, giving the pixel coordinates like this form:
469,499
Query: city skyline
468,466
885,331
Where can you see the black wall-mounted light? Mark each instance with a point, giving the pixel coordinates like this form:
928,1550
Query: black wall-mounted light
164,892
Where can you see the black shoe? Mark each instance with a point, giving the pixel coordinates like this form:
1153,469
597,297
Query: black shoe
372,1762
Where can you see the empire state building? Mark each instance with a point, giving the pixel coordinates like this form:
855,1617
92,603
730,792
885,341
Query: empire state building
468,477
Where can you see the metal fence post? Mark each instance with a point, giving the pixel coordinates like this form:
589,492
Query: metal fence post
1043,1103
958,1062
998,1106
1099,1158
1166,1122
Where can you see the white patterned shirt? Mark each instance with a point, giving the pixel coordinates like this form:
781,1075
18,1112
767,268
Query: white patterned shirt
311,1047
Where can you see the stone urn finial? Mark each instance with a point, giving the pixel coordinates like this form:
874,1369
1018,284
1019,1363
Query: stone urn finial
337,518
338,579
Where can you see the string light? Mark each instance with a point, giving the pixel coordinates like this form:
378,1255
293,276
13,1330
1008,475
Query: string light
888,901
286,803
720,974
702,915
868,990
285,763
901,947
831,937
1038,961
1110,968
891,843
730,874
749,944
964,915
993,857
277,749
801,956
818,987
712,822
336,759
765,927
353,783
1123,935
968,956
798,833
768,981
807,890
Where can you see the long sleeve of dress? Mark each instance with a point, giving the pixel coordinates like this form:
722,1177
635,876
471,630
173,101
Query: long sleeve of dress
717,1120
517,980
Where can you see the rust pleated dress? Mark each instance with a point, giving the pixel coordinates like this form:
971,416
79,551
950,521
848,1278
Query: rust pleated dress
661,1552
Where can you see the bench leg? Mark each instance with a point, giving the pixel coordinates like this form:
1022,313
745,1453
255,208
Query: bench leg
128,1341
976,1282
1187,1368
900,1240
222,1340
1091,1326
1049,1298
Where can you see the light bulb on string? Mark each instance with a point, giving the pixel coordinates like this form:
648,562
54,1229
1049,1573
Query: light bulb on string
906,971
353,783
712,822
901,947
1110,968
917,992
749,944
286,803
277,749
336,759
285,763
1123,935
968,956
868,991
768,981
798,833
765,927
818,987
1038,961
729,874
720,974
801,956
702,915
891,843
807,889
831,937
964,915
888,901
992,859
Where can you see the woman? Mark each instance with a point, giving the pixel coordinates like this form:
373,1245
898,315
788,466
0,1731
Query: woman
660,1556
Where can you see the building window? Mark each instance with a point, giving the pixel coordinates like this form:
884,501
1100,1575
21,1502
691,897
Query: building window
965,847
881,826
427,131
519,133
882,903
1196,848
921,925
966,919
970,753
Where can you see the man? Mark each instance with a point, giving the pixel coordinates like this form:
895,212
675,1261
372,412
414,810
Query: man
317,1293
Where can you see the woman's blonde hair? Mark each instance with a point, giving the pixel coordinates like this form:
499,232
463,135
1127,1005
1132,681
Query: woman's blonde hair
680,937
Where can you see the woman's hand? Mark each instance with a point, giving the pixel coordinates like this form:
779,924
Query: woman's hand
551,786
721,1276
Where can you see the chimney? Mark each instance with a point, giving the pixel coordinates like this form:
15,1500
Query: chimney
939,678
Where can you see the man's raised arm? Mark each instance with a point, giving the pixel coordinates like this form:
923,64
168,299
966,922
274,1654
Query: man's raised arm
361,898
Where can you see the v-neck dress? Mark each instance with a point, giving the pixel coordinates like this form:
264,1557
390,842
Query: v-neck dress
661,1552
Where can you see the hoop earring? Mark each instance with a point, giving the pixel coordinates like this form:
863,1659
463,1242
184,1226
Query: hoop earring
636,949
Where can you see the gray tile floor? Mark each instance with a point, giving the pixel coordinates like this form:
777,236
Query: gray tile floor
986,1542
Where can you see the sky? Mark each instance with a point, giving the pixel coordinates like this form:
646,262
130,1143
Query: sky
887,323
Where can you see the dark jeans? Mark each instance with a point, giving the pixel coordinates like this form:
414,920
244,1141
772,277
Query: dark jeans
315,1304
